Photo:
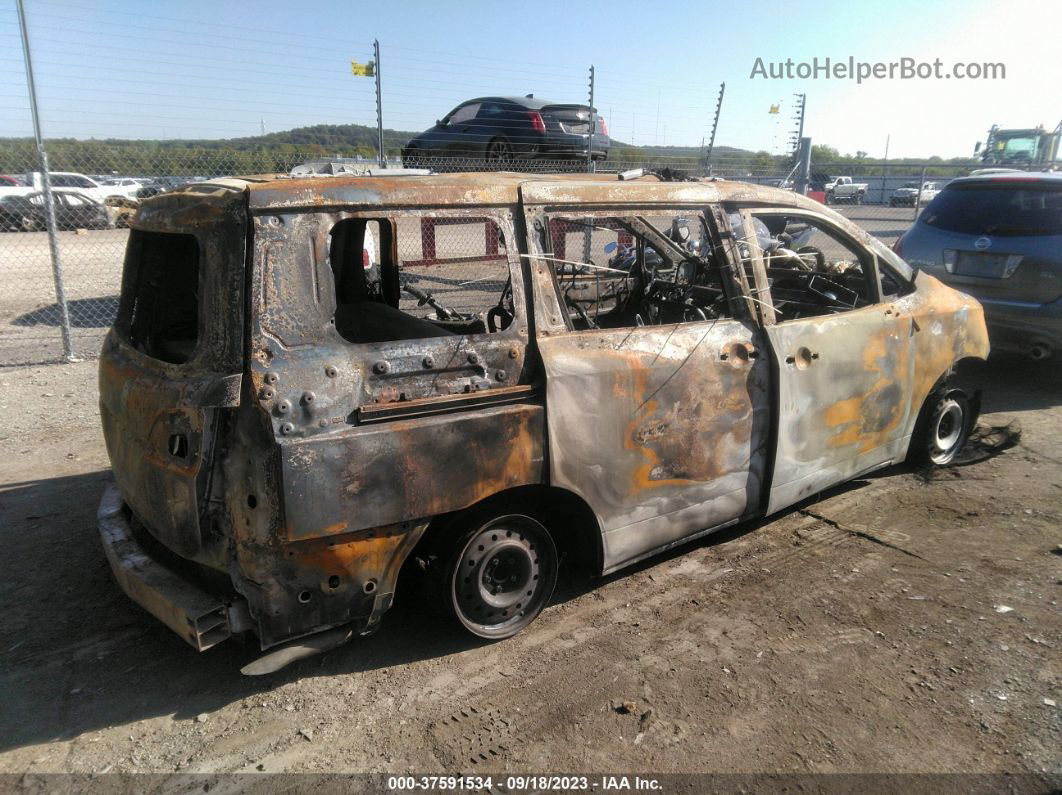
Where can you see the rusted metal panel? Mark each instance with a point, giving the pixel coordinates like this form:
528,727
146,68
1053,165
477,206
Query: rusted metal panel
198,617
615,192
401,191
946,326
389,472
843,399
147,404
661,430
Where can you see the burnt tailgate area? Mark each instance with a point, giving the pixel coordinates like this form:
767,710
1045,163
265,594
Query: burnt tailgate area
902,623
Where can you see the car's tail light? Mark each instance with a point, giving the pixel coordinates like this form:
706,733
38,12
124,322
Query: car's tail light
951,256
898,246
365,261
601,126
536,121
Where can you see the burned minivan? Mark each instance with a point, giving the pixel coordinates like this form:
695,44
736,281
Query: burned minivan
521,370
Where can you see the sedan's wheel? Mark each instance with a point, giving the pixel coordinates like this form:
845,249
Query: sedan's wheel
942,428
501,576
28,224
499,152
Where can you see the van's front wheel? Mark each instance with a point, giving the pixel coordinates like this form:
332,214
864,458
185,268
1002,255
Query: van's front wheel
501,575
942,428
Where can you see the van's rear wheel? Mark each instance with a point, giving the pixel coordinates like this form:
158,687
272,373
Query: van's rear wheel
501,575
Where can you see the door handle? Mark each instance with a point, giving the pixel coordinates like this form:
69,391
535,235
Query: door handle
739,353
803,358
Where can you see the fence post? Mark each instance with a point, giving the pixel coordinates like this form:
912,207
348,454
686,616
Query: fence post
918,198
593,127
49,201
379,103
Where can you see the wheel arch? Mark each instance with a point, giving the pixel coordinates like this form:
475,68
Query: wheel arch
568,518
920,403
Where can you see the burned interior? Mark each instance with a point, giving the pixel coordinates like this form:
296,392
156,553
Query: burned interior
636,271
160,307
387,291
316,383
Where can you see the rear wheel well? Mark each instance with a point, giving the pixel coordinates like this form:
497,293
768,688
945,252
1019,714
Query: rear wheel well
570,521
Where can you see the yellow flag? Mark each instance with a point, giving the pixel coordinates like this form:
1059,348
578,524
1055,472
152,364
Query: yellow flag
362,69
774,109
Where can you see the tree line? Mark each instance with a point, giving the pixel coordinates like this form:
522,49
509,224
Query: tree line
281,151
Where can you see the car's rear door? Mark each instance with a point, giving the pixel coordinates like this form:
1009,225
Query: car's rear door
173,362
661,426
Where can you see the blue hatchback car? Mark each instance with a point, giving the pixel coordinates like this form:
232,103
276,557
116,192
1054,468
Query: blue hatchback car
998,237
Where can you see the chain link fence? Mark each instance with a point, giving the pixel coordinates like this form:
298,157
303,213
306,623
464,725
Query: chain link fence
98,189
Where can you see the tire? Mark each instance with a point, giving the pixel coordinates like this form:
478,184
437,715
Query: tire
499,152
27,224
500,576
893,203
858,199
942,428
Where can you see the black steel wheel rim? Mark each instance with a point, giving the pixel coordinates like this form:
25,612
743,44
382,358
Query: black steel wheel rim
503,577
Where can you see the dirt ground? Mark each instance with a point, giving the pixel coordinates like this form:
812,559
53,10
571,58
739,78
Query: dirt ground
899,623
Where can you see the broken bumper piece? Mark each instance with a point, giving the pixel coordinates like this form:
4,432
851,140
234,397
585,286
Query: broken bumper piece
202,619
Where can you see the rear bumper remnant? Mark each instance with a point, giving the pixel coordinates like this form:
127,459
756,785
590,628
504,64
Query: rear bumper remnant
201,619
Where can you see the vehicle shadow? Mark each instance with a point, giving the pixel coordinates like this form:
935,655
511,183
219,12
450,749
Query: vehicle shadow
1012,382
84,313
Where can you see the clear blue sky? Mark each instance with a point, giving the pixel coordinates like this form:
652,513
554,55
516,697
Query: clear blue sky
116,68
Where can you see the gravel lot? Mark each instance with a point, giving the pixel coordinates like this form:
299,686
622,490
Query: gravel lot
862,631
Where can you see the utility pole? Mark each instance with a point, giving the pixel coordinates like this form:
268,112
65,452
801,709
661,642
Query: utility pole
593,127
715,126
884,168
49,200
379,103
798,117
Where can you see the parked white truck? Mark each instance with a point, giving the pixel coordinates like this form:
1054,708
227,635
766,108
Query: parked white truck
842,189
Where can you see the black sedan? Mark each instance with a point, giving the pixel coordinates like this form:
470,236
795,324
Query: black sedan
25,212
501,130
